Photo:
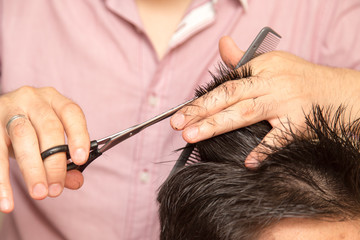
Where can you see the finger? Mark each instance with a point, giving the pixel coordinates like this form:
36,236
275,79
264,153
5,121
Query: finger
50,133
229,51
74,179
73,120
222,97
239,115
27,154
6,194
276,138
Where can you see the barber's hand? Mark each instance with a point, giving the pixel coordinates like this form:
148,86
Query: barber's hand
44,116
283,87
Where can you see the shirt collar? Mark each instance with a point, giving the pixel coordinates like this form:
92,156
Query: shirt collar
244,4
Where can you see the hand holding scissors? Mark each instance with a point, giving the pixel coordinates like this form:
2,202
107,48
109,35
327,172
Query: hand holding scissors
97,147
35,118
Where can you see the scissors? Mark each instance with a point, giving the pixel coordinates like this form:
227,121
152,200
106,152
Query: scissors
98,147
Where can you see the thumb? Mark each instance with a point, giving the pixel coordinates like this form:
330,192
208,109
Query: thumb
74,179
229,51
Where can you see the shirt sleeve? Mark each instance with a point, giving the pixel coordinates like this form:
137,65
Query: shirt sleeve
341,42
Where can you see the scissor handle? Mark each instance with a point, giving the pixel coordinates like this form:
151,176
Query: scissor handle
92,156
94,153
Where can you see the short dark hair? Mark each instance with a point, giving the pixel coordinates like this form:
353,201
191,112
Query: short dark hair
313,175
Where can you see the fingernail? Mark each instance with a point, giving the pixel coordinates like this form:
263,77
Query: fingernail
39,191
79,155
192,132
251,163
5,205
54,190
178,120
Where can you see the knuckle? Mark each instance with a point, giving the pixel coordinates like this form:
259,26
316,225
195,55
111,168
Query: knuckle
4,185
233,91
254,109
195,109
26,92
229,88
212,100
249,109
56,172
221,119
22,94
55,167
26,168
224,122
71,108
48,90
19,128
263,109
21,157
31,170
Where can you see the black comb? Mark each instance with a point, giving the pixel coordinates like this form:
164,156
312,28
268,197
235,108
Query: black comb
266,41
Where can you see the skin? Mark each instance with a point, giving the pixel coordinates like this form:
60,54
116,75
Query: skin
161,19
48,116
303,229
283,88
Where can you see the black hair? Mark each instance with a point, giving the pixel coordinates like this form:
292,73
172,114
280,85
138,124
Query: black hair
315,174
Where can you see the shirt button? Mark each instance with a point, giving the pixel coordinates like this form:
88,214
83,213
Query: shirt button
144,176
153,101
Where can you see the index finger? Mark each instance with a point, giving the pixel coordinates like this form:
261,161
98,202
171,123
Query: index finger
210,104
73,120
220,98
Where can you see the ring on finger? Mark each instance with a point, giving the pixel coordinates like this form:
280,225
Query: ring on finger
12,119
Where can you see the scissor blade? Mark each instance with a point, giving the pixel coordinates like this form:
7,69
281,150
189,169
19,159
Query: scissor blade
117,138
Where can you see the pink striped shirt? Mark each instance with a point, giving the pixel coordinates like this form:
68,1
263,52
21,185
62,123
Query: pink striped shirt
96,53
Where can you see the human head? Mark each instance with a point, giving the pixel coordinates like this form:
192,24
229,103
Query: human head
309,185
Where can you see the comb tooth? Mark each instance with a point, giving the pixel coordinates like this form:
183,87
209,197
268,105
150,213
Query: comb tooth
271,38
191,161
196,152
194,157
268,44
264,49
